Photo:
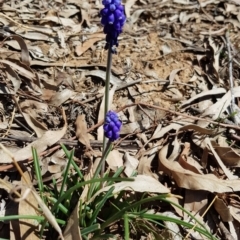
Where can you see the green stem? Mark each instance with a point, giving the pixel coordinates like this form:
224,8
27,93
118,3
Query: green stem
126,226
107,82
106,103
98,169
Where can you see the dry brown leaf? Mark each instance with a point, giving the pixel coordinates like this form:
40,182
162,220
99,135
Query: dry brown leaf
23,47
128,5
80,49
32,108
5,158
115,159
102,74
204,94
60,97
72,230
228,156
195,201
144,167
135,16
47,213
221,105
198,129
219,160
14,78
130,164
190,180
183,159
223,210
20,69
81,131
48,139
28,226
173,74
141,183
63,21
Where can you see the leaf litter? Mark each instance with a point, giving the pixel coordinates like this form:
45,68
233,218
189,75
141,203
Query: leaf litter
171,88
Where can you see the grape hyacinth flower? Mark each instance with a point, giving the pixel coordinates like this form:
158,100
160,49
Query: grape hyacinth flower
112,126
113,19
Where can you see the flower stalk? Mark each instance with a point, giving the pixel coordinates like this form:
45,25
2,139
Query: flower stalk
113,19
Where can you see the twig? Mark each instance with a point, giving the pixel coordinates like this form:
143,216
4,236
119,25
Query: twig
230,77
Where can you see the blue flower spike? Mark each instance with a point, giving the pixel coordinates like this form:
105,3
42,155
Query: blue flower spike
113,19
112,126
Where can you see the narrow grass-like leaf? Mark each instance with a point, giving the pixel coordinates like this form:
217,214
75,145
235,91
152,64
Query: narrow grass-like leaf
90,229
76,168
188,213
100,205
126,226
116,174
98,169
37,218
79,185
56,193
62,208
65,175
178,221
163,226
38,171
119,215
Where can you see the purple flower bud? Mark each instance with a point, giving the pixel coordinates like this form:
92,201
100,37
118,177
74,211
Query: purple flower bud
106,2
113,19
112,7
112,126
120,7
117,2
104,11
118,14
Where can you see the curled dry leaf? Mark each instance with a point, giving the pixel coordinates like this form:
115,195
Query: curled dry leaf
80,49
128,6
81,131
48,139
190,180
183,159
102,74
203,95
24,49
173,74
223,210
29,110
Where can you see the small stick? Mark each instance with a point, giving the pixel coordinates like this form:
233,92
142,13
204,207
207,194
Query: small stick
230,76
